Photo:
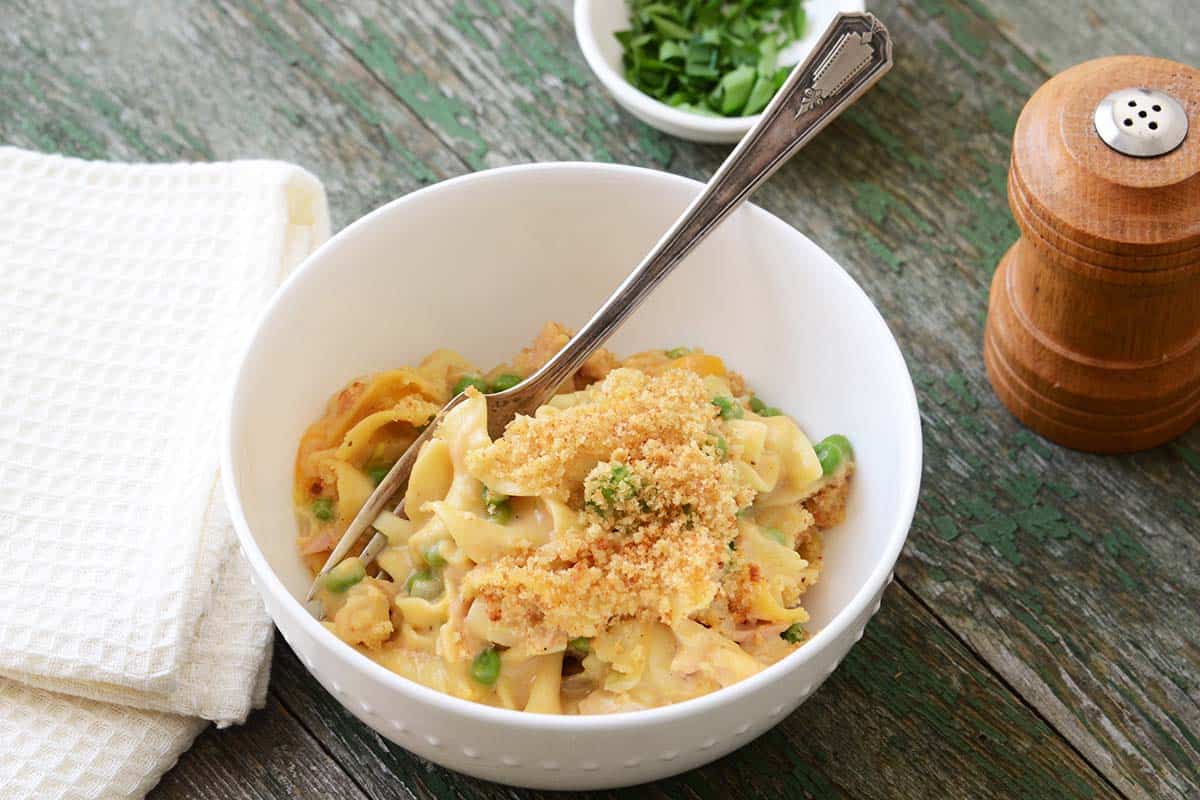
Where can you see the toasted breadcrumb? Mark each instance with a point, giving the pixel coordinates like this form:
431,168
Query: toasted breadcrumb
660,511
828,506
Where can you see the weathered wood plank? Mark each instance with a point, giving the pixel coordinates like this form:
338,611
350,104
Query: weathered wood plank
163,81
1076,577
270,756
909,714
1078,30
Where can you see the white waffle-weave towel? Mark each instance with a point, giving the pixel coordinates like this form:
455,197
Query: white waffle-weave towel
126,293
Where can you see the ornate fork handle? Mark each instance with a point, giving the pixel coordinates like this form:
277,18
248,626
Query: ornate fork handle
853,54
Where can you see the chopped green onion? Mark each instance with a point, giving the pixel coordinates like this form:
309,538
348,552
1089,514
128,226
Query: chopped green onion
775,535
769,411
469,380
722,448
579,646
730,408
709,57
733,91
506,381
795,633
756,405
344,575
424,583
322,509
678,352
832,451
485,668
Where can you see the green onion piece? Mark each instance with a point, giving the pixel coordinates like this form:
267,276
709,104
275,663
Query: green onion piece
760,95
579,646
756,405
469,380
485,668
832,451
506,381
322,509
795,633
770,411
678,352
433,556
775,535
730,408
722,448
424,583
378,472
344,575
799,19
731,94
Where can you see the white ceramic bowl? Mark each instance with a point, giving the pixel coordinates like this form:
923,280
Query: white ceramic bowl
597,20
478,263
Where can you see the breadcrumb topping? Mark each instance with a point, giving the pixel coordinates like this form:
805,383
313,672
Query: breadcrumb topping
658,510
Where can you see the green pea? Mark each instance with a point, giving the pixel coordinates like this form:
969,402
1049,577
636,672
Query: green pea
469,380
842,442
775,535
678,352
344,575
730,408
501,513
378,472
832,451
322,509
795,633
580,646
433,556
506,381
486,667
491,497
424,583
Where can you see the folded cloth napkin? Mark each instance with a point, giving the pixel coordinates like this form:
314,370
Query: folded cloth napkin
126,293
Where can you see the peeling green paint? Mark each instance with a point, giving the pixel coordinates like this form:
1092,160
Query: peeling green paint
881,251
1189,456
446,115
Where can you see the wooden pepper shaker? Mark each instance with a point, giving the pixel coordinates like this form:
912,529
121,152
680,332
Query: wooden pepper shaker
1093,331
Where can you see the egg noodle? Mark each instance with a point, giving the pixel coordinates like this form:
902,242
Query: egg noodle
646,537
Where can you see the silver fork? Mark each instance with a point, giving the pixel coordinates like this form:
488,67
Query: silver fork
851,56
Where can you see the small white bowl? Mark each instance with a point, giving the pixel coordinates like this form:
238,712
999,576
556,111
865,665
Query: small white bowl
597,20
478,263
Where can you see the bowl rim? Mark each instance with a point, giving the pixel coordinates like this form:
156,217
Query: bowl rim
629,95
909,442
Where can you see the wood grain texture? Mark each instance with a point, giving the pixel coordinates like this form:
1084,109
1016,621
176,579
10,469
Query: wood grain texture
910,711
145,82
1076,578
1093,332
1067,32
270,756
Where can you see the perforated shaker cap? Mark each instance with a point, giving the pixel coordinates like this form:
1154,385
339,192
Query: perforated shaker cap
1141,122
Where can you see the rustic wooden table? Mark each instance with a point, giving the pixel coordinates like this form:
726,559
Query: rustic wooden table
1043,636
